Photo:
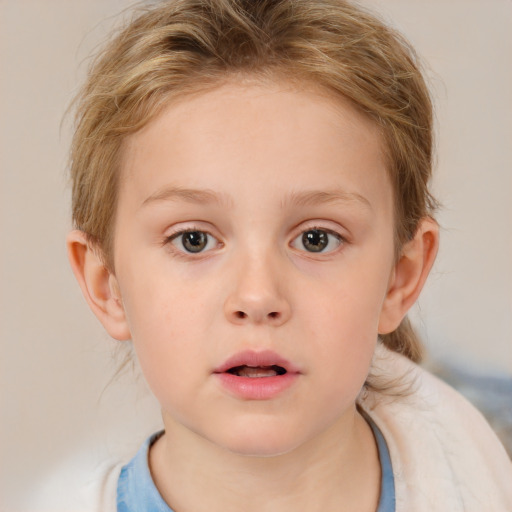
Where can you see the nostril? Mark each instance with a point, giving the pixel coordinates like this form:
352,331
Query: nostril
274,314
240,314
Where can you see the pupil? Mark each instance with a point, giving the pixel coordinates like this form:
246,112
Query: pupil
194,241
315,240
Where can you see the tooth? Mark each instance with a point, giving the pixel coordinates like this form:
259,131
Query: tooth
251,372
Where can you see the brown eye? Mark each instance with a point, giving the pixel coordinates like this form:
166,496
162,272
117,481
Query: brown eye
193,241
317,240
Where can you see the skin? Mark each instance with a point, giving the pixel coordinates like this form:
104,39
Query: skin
255,166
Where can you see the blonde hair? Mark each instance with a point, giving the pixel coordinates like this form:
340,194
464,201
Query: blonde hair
183,46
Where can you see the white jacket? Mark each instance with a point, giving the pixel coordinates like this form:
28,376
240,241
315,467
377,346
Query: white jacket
444,455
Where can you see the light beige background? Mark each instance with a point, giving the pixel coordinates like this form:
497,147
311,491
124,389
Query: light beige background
57,417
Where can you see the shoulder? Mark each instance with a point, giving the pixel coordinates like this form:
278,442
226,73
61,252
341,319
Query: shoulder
87,480
444,454
79,484
104,491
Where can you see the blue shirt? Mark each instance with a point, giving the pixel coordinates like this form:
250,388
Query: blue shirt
136,491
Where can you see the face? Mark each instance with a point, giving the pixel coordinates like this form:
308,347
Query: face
253,254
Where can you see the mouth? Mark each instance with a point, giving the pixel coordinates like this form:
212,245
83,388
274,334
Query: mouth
257,365
257,375
255,372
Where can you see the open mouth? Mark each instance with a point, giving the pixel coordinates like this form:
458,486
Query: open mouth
257,371
251,375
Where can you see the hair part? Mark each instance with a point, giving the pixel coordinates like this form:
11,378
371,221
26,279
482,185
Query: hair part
181,47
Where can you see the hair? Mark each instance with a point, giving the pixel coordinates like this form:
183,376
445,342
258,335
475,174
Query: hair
175,48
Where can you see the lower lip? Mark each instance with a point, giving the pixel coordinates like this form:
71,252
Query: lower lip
257,388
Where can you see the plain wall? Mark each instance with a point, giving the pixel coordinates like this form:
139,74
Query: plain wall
58,412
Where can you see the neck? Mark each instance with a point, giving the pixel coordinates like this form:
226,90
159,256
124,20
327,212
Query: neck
337,470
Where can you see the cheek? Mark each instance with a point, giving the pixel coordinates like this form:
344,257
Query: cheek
345,342
343,328
348,304
161,300
165,321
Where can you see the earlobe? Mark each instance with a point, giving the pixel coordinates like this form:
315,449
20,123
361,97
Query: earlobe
99,286
409,275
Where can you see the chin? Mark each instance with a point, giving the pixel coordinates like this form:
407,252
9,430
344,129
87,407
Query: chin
261,448
255,442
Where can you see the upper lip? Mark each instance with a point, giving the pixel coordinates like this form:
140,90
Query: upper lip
256,359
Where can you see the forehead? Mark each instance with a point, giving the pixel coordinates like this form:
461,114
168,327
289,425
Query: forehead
267,137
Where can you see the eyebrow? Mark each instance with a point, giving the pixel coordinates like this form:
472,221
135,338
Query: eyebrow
300,199
190,195
315,197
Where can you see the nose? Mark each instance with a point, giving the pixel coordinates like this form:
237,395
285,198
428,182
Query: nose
257,295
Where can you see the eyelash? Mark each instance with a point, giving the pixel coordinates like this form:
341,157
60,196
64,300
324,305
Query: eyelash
339,241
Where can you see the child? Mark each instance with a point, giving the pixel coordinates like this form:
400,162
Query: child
251,209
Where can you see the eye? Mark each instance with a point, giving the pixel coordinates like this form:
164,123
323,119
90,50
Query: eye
317,240
193,241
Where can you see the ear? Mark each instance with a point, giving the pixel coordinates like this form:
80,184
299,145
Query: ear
98,284
409,274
